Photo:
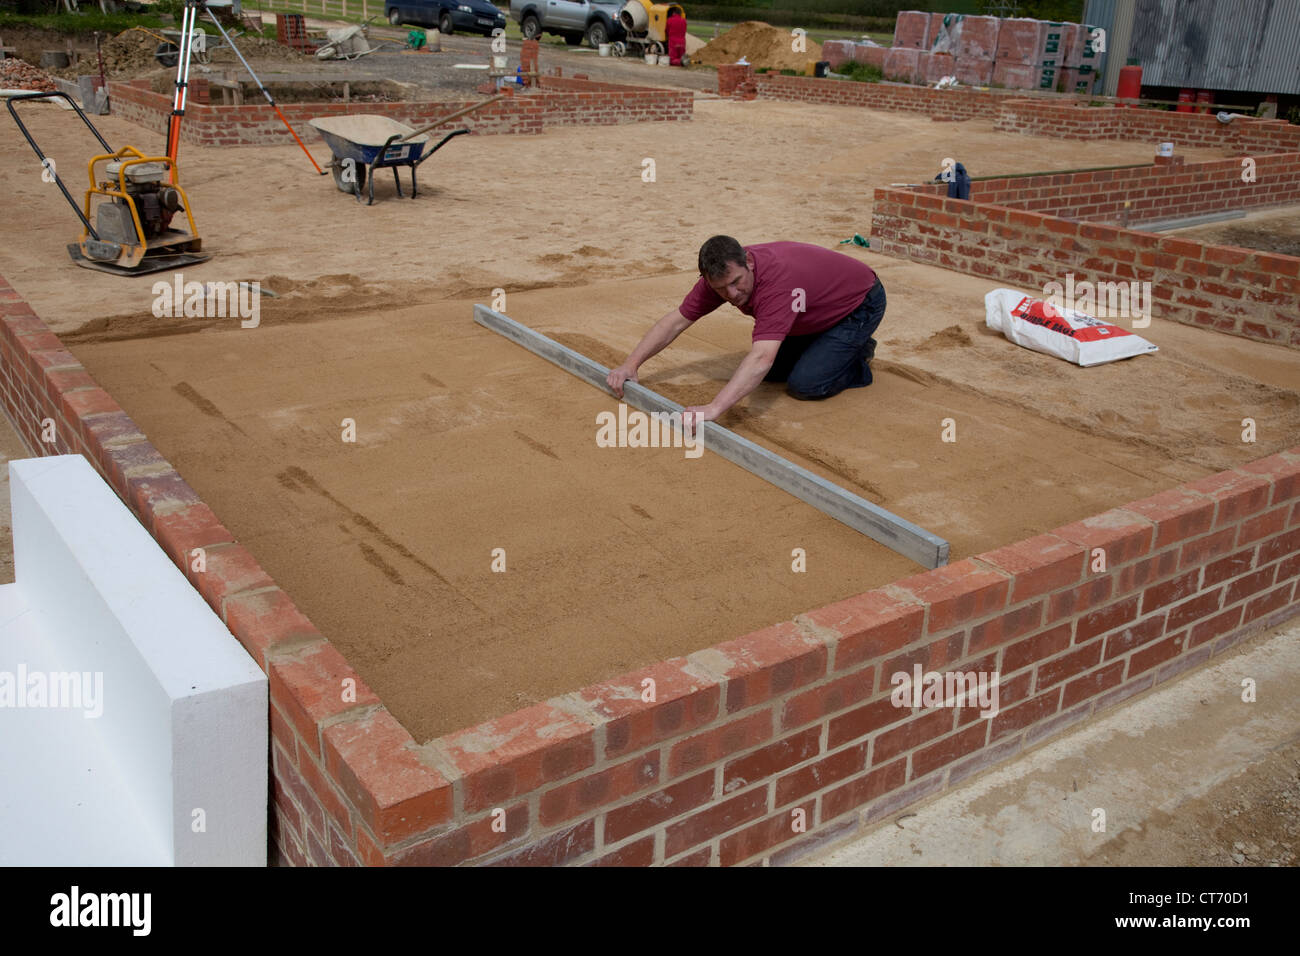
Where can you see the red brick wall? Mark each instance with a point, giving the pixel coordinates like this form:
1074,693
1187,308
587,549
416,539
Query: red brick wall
562,102
1146,193
1241,135
957,104
1011,112
740,737
1247,293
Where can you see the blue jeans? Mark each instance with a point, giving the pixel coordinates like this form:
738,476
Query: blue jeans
826,363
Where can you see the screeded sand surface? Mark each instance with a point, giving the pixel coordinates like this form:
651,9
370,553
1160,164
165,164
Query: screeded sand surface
466,443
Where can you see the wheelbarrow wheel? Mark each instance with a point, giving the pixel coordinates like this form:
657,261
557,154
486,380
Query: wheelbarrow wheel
345,186
168,54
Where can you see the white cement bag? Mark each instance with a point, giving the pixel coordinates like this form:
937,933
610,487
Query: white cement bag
1066,333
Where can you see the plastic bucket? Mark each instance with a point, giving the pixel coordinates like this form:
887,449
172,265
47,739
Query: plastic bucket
665,59
498,63
604,49
652,58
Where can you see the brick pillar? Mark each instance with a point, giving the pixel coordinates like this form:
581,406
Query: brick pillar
528,59
733,75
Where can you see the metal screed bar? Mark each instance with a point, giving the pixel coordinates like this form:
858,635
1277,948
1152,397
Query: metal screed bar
907,539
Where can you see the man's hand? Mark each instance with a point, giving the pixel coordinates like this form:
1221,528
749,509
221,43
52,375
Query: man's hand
693,416
617,376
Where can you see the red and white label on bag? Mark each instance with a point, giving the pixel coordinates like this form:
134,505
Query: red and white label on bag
1066,333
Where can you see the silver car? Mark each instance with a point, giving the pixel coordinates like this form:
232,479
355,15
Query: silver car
596,21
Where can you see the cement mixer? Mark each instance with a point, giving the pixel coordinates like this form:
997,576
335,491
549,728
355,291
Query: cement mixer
646,26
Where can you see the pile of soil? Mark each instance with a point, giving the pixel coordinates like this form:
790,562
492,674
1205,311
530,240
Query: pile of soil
765,46
254,47
18,75
130,52
954,336
127,54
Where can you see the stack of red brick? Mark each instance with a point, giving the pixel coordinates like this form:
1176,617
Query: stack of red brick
1018,54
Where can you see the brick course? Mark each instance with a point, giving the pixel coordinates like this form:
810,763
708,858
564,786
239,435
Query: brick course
559,101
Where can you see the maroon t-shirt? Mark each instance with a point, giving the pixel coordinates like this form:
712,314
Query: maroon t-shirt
799,289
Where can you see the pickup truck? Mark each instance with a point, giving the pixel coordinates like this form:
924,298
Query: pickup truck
596,21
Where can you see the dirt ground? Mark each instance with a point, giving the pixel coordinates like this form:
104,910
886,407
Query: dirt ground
1250,820
1269,230
616,558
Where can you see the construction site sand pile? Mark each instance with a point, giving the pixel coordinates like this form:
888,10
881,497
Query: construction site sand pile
18,75
765,46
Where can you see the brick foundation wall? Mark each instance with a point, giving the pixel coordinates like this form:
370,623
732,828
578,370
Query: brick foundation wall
760,748
1244,292
1059,116
1145,193
895,97
1241,135
560,102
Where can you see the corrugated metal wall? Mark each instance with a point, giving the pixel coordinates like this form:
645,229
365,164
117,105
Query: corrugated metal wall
1110,16
1250,45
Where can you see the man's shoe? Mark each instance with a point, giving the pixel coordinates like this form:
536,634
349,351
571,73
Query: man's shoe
870,351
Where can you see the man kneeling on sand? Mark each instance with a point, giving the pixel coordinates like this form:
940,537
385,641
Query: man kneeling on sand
815,312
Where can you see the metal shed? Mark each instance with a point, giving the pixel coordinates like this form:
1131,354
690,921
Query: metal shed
1245,45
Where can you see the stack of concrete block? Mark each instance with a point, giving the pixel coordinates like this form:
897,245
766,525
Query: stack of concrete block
1019,40
976,50
1082,59
1016,59
933,67
1055,39
838,52
911,30
972,71
932,32
979,37
1016,53
871,55
1015,76
902,64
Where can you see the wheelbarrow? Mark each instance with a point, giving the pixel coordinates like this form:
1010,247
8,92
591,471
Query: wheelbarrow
364,142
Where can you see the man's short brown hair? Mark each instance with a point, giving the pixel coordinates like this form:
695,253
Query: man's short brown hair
719,252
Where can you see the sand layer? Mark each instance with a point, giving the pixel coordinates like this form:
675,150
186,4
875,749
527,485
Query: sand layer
616,558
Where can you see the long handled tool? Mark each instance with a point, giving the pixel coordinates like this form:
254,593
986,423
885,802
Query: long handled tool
448,119
269,98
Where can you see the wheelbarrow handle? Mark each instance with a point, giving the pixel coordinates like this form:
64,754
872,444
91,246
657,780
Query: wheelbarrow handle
448,119
441,143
